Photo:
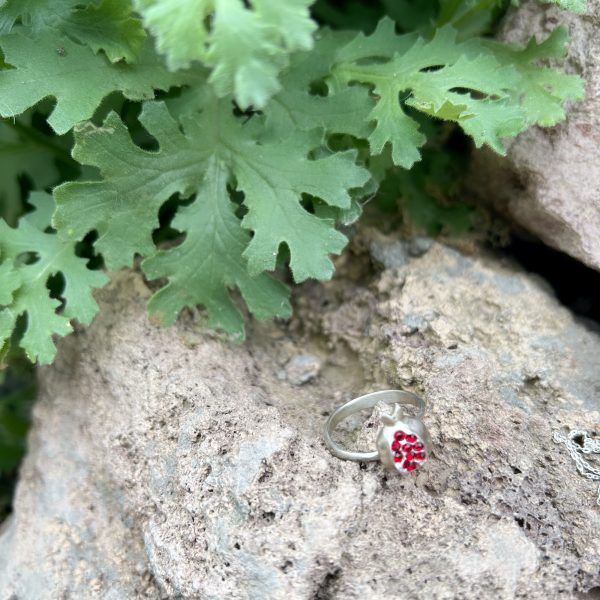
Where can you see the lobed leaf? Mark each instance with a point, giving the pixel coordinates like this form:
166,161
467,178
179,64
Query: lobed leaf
179,27
492,90
246,43
106,25
110,27
51,65
29,257
541,91
209,262
197,156
342,110
35,14
254,187
577,6
135,183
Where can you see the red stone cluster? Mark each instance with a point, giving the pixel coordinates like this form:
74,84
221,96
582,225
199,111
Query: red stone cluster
408,450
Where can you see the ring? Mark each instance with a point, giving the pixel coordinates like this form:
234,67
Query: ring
403,442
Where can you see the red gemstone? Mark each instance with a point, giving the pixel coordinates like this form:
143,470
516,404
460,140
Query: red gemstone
409,456
399,435
409,466
407,447
395,446
410,438
397,457
420,456
419,447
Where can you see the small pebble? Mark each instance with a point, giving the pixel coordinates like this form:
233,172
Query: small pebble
419,245
303,368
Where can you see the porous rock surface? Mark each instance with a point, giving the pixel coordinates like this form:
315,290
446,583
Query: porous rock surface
168,463
550,181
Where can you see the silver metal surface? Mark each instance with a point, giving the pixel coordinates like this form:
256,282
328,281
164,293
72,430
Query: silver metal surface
396,419
577,451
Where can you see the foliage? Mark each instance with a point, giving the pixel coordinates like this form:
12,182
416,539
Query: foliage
50,65
578,6
30,256
245,46
17,393
223,141
26,154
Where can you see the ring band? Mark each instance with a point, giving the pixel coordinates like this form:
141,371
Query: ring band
403,441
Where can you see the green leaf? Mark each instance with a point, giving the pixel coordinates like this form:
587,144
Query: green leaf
470,17
541,91
249,48
491,90
345,110
10,455
577,6
273,185
109,27
246,44
24,151
179,27
209,261
11,281
51,65
291,19
244,56
415,15
425,194
106,25
272,174
30,256
37,14
382,43
135,182
393,125
17,395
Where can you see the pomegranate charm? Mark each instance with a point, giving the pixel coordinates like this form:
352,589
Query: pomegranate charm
402,442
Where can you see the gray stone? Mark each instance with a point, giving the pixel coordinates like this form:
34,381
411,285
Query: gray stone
303,368
550,181
418,245
168,463
387,252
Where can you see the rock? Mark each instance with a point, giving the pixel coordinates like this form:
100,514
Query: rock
303,368
387,252
418,245
167,463
550,181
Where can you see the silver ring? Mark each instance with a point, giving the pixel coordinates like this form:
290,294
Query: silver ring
403,442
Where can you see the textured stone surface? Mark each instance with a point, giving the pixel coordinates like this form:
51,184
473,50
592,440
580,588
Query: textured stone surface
550,181
302,368
167,463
